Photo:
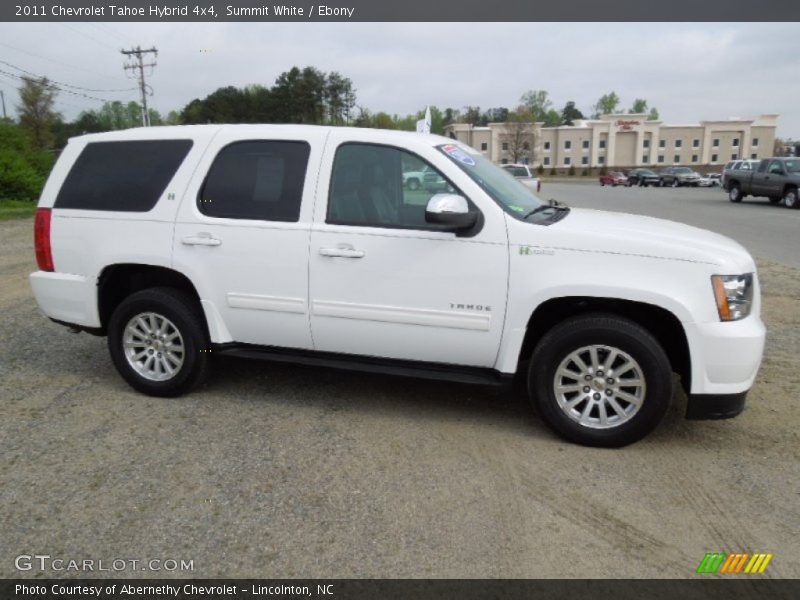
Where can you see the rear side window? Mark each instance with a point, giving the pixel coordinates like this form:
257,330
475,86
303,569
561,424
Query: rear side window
256,180
122,176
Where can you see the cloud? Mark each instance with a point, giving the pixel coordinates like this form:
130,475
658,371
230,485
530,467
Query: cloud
690,71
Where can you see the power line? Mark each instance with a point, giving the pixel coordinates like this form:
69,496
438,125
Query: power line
87,36
140,66
75,87
58,62
55,87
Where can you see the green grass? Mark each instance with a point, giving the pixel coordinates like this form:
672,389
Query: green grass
16,209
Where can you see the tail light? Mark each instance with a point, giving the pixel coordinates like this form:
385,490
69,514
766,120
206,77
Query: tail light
41,239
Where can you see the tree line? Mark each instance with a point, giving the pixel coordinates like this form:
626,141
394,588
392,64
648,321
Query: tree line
29,144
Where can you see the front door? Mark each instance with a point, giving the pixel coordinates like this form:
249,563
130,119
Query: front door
386,284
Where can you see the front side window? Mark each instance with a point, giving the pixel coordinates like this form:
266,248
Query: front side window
775,167
382,186
260,180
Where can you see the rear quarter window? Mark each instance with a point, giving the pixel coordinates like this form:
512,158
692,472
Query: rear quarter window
122,176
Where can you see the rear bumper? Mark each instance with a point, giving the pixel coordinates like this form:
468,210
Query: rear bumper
715,406
66,298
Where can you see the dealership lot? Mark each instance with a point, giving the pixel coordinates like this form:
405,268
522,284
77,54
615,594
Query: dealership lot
278,470
768,231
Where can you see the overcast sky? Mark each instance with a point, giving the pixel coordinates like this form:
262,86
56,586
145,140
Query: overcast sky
689,71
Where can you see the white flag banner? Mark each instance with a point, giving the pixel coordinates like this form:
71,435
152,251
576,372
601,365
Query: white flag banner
424,125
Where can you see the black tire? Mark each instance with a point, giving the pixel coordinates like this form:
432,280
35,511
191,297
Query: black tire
413,184
187,317
660,183
642,183
790,198
606,330
629,183
675,183
734,192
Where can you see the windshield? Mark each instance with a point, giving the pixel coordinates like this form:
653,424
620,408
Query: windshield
683,170
514,197
647,172
792,166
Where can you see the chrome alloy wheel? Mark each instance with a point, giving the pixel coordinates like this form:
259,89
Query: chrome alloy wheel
599,386
153,346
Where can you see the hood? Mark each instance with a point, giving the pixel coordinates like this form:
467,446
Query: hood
633,235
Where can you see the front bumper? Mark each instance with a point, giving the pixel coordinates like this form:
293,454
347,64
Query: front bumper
715,406
725,356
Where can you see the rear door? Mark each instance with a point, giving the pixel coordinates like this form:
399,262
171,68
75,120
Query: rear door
242,234
386,284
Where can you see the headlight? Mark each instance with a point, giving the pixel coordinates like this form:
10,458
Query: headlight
734,295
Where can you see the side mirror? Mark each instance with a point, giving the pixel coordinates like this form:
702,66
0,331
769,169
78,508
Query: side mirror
451,211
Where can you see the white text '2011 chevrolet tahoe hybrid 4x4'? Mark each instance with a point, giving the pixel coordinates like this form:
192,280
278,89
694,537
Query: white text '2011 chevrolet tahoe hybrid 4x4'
302,244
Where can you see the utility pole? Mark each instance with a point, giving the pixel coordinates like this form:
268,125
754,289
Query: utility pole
140,65
3,98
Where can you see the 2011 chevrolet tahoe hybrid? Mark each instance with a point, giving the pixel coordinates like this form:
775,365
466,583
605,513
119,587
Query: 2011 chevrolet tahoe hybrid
302,244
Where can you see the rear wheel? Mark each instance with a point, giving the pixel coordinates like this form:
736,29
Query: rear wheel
675,183
734,192
158,342
600,380
790,199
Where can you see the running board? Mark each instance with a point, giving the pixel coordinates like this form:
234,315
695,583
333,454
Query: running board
385,366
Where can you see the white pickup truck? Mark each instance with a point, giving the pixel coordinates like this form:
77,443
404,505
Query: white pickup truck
525,176
302,243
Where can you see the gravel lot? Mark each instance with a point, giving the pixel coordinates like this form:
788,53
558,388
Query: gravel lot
282,471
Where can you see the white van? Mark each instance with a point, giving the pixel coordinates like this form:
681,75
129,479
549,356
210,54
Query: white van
302,243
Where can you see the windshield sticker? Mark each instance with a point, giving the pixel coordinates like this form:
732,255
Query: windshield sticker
458,154
517,208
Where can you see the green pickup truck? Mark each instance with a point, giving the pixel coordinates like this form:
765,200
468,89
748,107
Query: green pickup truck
775,178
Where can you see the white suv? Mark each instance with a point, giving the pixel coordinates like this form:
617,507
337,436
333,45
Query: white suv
301,243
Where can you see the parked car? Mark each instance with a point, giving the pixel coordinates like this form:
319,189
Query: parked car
524,176
613,178
296,243
642,177
424,178
777,179
678,176
737,165
709,180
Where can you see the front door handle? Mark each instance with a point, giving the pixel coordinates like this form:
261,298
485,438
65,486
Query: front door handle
342,252
201,239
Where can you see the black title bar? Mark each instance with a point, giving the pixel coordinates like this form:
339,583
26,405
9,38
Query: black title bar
699,588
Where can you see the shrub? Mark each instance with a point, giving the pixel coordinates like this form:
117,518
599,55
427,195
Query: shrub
23,169
540,170
553,171
584,173
571,171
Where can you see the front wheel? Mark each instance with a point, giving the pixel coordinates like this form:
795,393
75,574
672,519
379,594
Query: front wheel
735,193
790,199
158,342
675,183
600,380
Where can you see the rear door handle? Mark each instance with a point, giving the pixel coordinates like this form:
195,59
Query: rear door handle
342,252
201,239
